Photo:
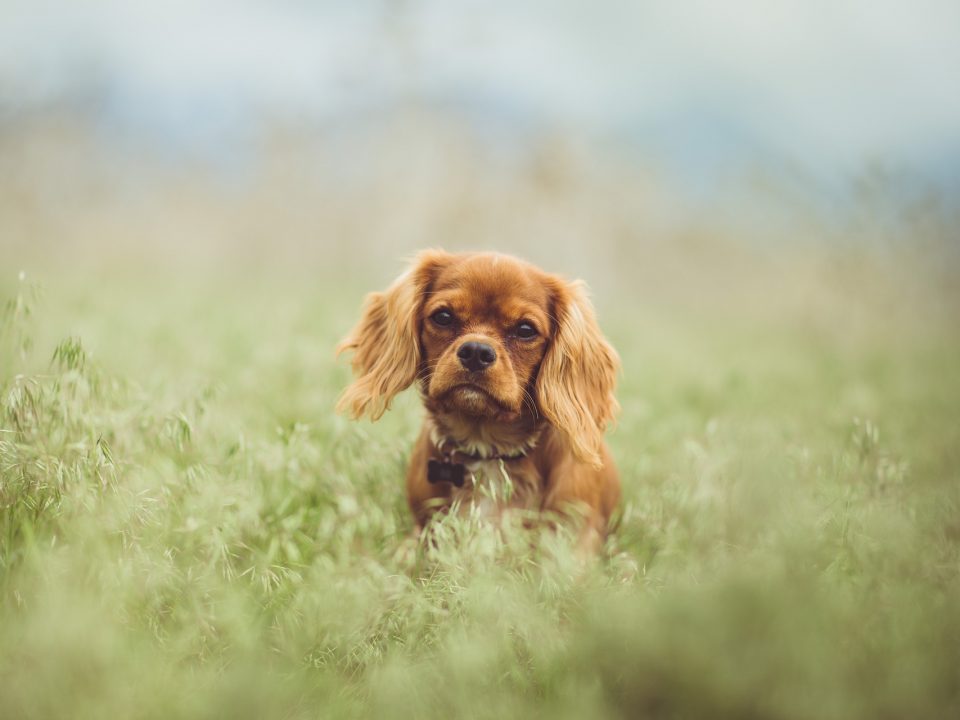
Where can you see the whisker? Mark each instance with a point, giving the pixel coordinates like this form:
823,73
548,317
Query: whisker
527,399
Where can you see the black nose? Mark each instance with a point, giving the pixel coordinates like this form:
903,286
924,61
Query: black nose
475,356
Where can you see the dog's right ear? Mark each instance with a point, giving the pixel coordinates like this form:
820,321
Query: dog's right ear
578,374
385,342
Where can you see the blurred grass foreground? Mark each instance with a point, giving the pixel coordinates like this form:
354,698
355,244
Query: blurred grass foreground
187,530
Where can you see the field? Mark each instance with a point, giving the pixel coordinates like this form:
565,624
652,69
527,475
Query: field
188,530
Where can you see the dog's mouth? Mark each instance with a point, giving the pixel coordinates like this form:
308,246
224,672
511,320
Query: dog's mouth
471,390
473,399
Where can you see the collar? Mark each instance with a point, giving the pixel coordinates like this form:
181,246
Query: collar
454,451
451,452
451,467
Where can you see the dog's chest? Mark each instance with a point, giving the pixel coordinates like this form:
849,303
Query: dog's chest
495,485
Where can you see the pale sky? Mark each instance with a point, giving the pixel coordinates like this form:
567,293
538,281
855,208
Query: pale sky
825,83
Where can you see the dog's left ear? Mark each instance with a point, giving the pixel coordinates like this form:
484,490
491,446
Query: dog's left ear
385,342
579,372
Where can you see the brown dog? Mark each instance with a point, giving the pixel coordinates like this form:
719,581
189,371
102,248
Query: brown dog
516,378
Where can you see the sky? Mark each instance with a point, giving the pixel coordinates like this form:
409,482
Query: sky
824,86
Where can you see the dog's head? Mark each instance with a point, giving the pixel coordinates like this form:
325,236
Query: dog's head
488,336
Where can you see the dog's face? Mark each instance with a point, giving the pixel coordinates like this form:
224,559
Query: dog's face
484,329
490,337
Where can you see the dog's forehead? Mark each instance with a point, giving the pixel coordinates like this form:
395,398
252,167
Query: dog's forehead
494,281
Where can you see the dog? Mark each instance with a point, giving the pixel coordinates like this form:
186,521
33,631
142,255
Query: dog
517,381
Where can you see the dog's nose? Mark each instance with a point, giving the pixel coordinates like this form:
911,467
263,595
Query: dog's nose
476,356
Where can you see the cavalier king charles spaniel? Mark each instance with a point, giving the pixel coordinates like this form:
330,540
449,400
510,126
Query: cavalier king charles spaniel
517,381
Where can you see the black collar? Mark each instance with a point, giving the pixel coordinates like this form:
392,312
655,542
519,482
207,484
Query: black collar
481,456
451,465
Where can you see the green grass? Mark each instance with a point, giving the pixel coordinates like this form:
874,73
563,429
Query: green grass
187,530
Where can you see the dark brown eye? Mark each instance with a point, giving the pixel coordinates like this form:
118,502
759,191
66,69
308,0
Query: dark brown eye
525,331
443,318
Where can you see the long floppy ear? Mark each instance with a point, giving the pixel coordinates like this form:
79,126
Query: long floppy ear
385,341
578,374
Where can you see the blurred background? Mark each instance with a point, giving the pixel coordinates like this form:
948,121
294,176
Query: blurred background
764,198
314,137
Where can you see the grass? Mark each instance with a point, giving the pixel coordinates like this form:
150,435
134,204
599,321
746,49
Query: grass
187,530
210,540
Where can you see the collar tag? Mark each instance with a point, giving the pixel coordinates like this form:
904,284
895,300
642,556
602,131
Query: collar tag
451,472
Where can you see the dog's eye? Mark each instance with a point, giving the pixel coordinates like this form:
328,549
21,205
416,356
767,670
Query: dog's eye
525,331
443,318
